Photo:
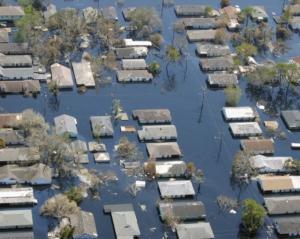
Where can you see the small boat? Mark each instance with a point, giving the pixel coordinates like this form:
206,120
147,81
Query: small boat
295,145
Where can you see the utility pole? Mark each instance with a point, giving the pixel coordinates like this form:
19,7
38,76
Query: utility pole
203,89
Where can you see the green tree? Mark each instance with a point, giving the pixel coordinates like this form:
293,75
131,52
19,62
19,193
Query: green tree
117,109
220,36
154,68
67,232
172,55
208,12
53,88
245,50
252,216
2,143
233,95
246,14
75,194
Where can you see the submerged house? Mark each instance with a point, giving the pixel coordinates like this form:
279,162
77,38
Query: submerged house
282,205
133,64
287,226
15,61
83,74
11,13
84,225
201,35
80,151
294,23
199,23
4,36
152,116
198,230
20,87
102,126
212,50
14,48
19,155
258,146
294,9
189,10
222,63
17,197
124,220
16,73
167,169
101,157
131,52
163,150
37,174
176,189
245,129
12,137
157,132
10,120
62,75
259,14
239,113
66,124
222,80
291,118
269,164
16,219
279,184
128,42
110,13
183,210
231,13
126,76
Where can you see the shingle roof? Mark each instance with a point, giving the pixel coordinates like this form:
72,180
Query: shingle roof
222,79
19,155
11,219
152,116
258,146
102,125
84,224
287,225
62,75
291,118
163,150
66,124
199,230
282,204
11,11
178,188
212,50
83,74
158,132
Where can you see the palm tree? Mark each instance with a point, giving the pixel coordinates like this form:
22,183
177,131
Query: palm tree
247,13
172,55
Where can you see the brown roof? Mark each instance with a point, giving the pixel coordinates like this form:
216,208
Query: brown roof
230,11
10,120
296,59
22,86
274,183
258,146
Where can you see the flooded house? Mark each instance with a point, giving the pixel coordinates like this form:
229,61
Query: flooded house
19,155
176,189
259,14
232,14
102,126
133,64
80,150
10,120
83,74
168,169
109,13
291,118
134,76
222,63
11,13
20,87
62,76
37,174
124,220
127,11
201,35
279,184
128,42
16,73
66,124
199,23
212,50
294,24
183,210
222,80
157,132
245,129
197,230
258,146
101,157
152,116
294,9
131,52
287,226
239,113
4,35
12,137
17,197
50,11
265,164
16,219
15,61
17,234
84,225
95,147
190,10
163,150
14,48
282,205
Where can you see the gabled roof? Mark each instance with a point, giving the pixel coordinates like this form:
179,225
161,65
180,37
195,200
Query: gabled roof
10,120
12,137
19,155
134,64
170,168
11,11
279,183
17,196
199,23
282,205
258,146
20,86
134,75
84,225
212,50
199,230
245,129
62,75
239,113
269,164
131,52
14,48
201,35
188,10
221,63
259,13
222,79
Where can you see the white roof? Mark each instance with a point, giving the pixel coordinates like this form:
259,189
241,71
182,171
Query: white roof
295,181
17,196
238,113
162,168
268,163
130,42
178,188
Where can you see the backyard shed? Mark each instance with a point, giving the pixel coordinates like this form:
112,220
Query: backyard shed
152,116
157,132
245,129
102,126
176,189
163,150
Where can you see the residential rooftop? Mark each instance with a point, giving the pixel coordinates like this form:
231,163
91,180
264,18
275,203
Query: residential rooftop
125,76
222,80
157,132
102,126
239,113
176,189
269,164
163,150
258,146
84,225
282,205
201,35
134,64
198,230
17,196
13,219
222,63
278,184
152,116
245,129
66,124
291,119
83,74
287,226
62,75
212,50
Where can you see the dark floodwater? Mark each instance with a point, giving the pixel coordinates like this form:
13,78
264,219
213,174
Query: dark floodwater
199,141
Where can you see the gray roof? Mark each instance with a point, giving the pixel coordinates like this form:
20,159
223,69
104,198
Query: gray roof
124,220
221,63
84,225
212,50
17,196
190,10
12,219
101,157
134,64
175,189
96,147
19,155
294,23
282,205
199,23
199,230
134,76
259,13
16,73
222,79
15,60
20,86
83,74
291,118
4,37
258,146
102,125
184,210
109,13
131,52
152,116
201,35
14,48
62,75
80,150
269,164
17,235
158,132
11,11
170,168
66,124
38,174
163,150
245,129
287,225
12,137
